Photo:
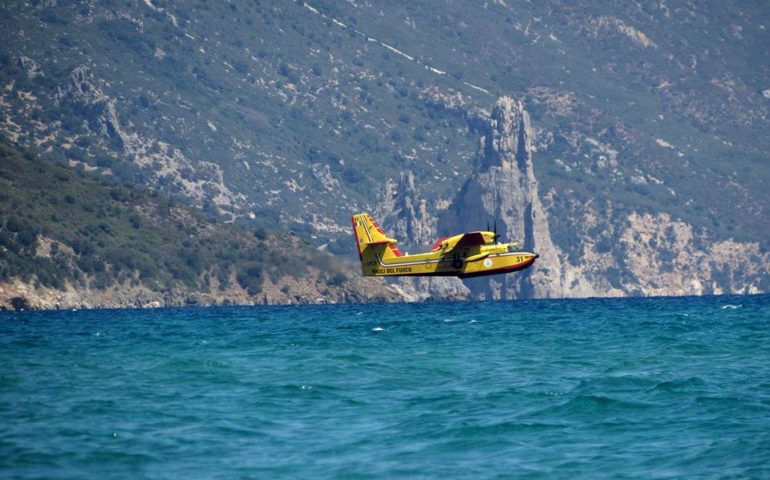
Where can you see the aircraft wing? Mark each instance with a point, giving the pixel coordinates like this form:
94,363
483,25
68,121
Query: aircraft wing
470,240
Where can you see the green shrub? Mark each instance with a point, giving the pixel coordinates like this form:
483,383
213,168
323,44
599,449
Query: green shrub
250,278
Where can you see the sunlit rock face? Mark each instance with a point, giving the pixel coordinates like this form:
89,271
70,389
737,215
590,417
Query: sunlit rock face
408,219
503,189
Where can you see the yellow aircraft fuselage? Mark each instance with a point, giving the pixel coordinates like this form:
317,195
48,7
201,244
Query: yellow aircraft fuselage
470,254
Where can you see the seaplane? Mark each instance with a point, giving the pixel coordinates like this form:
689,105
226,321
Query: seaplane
472,254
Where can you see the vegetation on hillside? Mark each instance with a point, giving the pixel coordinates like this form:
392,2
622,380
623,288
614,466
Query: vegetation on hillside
308,108
59,225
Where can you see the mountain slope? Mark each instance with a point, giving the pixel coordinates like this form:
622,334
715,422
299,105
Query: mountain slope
68,239
296,114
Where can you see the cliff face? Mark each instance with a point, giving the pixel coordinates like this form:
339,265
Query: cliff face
665,256
503,188
618,253
407,218
406,214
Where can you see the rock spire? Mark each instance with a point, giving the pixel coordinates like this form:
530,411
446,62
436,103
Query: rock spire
503,187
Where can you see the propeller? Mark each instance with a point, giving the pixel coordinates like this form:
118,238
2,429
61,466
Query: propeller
495,230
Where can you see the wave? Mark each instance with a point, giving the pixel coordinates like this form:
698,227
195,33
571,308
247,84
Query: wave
680,384
731,307
591,407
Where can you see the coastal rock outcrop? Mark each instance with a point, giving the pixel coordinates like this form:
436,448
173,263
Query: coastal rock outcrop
665,256
313,288
406,214
407,218
503,188
611,252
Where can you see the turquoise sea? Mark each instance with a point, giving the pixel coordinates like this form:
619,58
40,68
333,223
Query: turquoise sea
621,388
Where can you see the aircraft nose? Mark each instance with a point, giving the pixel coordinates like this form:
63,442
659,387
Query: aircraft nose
537,255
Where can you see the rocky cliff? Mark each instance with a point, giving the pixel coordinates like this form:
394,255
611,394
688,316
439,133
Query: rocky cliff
502,189
666,256
408,219
619,254
160,162
406,213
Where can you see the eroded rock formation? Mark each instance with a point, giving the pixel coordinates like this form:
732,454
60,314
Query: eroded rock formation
503,188
406,214
407,218
666,256
637,253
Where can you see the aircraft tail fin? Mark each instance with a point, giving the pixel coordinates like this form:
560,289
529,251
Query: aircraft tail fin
373,245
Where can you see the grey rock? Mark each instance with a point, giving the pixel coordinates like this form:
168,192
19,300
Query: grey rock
503,189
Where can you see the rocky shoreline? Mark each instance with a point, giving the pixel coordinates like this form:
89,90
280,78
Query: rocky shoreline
20,296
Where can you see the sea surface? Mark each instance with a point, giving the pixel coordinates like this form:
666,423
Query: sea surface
620,388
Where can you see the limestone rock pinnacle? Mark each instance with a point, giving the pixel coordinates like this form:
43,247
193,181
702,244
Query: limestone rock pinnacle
406,217
503,187
404,212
